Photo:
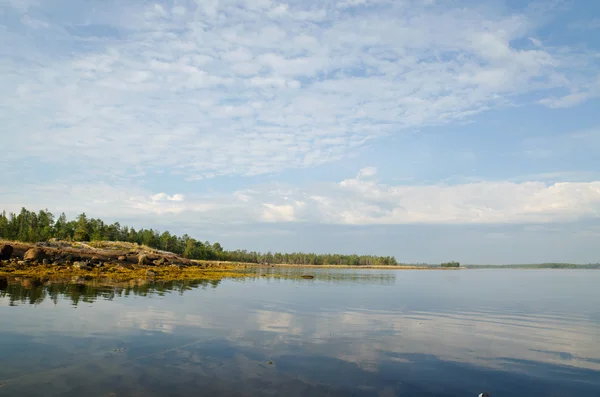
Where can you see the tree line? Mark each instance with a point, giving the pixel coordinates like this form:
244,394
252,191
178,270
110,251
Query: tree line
29,226
450,264
539,266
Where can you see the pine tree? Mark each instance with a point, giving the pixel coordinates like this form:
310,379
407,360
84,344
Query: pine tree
82,232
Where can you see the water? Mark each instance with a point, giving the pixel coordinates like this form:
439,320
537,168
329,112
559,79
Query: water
346,333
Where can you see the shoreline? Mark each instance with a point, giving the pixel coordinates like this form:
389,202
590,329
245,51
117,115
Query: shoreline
399,267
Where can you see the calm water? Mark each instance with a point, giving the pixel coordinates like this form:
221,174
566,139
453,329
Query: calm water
346,333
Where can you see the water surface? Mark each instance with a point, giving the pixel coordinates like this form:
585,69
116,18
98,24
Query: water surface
345,333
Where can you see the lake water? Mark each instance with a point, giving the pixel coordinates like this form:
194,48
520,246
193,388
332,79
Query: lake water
378,333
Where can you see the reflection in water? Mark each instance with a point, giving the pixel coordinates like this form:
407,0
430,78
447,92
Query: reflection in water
384,334
34,291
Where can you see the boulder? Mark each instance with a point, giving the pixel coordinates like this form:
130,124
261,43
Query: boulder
34,254
122,258
143,260
6,252
150,273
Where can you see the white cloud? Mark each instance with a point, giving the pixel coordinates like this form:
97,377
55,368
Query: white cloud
367,172
278,213
34,23
179,11
23,5
164,196
566,101
258,88
355,201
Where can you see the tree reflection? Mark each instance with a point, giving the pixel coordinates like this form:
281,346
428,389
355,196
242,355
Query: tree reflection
35,291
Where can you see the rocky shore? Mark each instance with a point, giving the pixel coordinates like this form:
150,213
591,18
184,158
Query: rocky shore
113,260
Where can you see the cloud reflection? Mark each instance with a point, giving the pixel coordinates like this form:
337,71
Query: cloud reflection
319,337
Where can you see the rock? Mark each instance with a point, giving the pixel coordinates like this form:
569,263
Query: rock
160,262
142,260
81,266
122,258
307,276
150,273
6,252
34,254
45,262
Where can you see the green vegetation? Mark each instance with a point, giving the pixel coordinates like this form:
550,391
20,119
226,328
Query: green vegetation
450,264
28,226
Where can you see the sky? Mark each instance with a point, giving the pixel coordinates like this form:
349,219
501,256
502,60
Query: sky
429,130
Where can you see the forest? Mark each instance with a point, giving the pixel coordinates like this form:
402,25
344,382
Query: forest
29,226
450,264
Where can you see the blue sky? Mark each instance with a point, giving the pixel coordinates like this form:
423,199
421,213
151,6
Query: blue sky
428,130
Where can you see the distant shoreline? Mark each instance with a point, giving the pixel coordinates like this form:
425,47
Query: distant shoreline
537,266
284,265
